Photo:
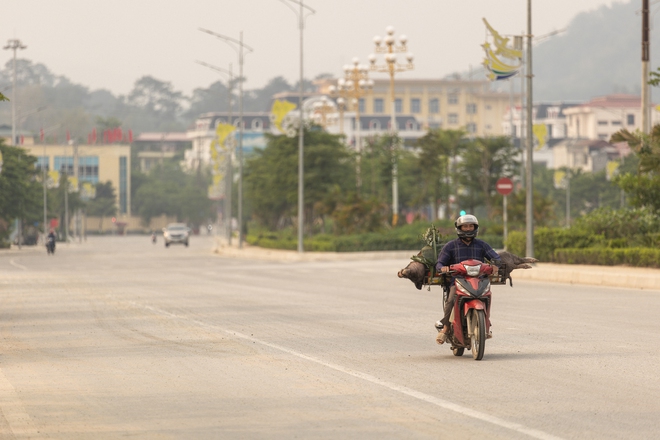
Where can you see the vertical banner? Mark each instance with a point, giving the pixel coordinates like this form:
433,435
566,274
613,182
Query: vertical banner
502,61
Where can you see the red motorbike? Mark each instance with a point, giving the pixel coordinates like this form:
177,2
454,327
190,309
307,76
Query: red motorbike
470,317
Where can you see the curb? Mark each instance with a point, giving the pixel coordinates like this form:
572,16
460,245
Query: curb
608,276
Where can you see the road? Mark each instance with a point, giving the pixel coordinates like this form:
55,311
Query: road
117,337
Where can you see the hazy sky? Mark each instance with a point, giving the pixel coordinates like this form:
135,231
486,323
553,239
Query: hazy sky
111,43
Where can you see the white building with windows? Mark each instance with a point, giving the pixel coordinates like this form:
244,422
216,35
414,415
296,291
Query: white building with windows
603,116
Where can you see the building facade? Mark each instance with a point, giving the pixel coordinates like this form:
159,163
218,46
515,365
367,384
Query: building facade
603,116
438,103
92,163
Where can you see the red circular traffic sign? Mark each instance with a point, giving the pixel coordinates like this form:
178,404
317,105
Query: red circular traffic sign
504,186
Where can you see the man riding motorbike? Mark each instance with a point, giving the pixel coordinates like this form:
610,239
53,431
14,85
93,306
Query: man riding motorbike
465,247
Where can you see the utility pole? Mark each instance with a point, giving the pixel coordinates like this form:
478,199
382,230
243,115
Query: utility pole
240,49
14,45
529,217
645,66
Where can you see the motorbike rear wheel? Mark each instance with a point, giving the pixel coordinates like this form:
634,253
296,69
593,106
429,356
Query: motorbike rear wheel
479,335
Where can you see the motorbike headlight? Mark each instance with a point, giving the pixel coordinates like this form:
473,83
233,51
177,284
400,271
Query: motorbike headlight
473,271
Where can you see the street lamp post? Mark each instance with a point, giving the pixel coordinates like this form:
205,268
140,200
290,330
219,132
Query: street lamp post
240,49
353,87
529,214
300,13
389,47
14,45
323,108
229,178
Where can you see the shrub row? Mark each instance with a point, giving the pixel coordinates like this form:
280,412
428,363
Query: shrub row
546,240
639,257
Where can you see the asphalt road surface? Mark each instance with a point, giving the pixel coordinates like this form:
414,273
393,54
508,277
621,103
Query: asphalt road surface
117,337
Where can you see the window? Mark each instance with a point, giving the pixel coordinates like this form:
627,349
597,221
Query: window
452,98
616,122
410,125
435,125
631,119
374,125
257,124
64,164
603,137
123,185
602,122
549,130
361,105
88,169
41,163
471,127
379,106
434,105
415,105
398,105
452,118
471,109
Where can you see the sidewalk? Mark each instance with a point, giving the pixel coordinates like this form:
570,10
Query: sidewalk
611,276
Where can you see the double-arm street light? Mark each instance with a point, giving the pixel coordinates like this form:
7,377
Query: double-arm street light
389,47
14,45
240,49
300,13
353,87
229,178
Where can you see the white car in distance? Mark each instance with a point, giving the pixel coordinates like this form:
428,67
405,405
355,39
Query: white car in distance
176,233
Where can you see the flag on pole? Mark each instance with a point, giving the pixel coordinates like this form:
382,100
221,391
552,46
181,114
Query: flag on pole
68,136
130,136
41,135
94,135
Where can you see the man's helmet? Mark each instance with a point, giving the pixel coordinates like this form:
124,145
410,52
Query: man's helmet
466,220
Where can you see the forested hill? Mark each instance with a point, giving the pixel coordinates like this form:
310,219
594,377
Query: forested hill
599,53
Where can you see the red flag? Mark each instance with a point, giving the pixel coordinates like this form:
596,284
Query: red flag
41,135
22,139
94,135
105,136
130,136
68,136
89,139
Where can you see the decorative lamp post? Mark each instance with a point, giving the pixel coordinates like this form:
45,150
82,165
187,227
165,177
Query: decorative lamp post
322,109
354,86
389,47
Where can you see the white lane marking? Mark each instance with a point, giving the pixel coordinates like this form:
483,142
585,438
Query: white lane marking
17,418
15,264
442,403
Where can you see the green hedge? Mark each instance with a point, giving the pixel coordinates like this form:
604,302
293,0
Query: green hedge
605,256
406,237
546,240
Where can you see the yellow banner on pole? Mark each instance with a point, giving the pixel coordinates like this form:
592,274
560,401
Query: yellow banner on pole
53,179
279,111
611,169
560,179
540,132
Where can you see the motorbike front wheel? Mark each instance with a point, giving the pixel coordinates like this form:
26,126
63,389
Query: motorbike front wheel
479,334
458,351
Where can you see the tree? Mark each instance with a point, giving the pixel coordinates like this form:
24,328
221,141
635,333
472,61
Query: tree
485,160
104,204
20,192
271,175
157,97
436,149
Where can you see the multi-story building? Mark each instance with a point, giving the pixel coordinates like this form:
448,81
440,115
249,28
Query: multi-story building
150,149
603,116
437,103
96,163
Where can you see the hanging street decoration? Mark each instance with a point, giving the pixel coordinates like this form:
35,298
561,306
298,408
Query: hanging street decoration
540,132
278,112
502,61
220,149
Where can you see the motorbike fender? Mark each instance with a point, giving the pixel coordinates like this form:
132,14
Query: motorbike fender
473,304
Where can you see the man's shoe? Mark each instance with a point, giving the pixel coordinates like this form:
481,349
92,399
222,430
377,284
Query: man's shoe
489,335
438,326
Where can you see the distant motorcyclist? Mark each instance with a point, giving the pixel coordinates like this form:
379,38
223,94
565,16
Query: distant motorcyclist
153,237
50,242
465,247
